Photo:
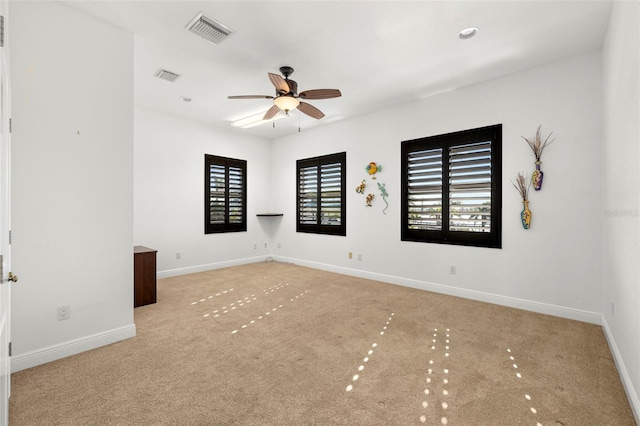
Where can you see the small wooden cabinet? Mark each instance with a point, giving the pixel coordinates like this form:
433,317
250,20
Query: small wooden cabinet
144,276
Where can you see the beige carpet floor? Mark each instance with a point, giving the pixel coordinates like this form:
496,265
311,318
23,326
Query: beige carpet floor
279,344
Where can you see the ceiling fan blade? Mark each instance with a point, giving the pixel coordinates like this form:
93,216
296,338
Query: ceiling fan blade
250,97
271,112
320,94
279,83
310,110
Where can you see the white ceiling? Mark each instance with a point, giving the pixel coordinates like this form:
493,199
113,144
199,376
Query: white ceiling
378,53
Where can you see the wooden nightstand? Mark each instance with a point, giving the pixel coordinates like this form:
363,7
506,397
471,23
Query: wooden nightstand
144,276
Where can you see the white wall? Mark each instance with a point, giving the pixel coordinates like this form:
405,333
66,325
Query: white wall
72,189
553,267
169,197
621,177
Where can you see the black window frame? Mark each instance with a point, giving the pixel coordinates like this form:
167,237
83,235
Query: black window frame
231,166
303,224
491,239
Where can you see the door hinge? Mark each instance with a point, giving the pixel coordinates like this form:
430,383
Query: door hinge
1,31
10,123
9,348
9,236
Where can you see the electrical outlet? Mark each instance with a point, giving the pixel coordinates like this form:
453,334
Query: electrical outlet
64,312
359,256
350,255
452,270
279,245
178,255
265,245
255,246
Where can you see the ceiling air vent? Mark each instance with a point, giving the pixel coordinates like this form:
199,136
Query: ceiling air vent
166,75
209,29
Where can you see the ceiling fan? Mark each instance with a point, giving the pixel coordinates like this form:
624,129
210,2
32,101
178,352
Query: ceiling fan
287,97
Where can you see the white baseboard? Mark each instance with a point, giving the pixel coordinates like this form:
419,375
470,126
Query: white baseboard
209,266
512,302
72,347
632,395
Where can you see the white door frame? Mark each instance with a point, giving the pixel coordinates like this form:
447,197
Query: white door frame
5,218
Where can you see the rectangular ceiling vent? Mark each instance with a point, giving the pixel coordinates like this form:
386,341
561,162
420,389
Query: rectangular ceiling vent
209,29
166,75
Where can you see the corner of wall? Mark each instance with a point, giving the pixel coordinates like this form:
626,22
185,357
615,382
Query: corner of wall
632,395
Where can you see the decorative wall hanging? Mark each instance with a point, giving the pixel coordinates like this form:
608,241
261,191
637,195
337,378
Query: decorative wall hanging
537,145
522,185
369,199
383,192
372,168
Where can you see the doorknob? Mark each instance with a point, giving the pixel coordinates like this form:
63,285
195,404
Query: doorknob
12,277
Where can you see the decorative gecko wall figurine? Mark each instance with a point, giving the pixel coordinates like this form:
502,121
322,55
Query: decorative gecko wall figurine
383,191
369,199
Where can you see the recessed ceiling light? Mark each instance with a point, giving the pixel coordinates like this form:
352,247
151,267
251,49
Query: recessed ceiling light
467,33
185,98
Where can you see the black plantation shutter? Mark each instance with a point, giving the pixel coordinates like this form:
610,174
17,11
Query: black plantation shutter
425,189
308,195
217,194
452,188
225,194
236,194
321,194
331,194
470,187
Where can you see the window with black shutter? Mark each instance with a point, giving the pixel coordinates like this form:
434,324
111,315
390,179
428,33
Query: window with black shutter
321,195
225,194
451,188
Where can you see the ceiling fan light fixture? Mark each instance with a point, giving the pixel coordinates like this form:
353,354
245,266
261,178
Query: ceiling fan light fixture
286,102
287,98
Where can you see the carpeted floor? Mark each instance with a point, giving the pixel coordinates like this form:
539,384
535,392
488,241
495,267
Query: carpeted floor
279,344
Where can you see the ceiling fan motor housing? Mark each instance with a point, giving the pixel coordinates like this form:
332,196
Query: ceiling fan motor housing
293,87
